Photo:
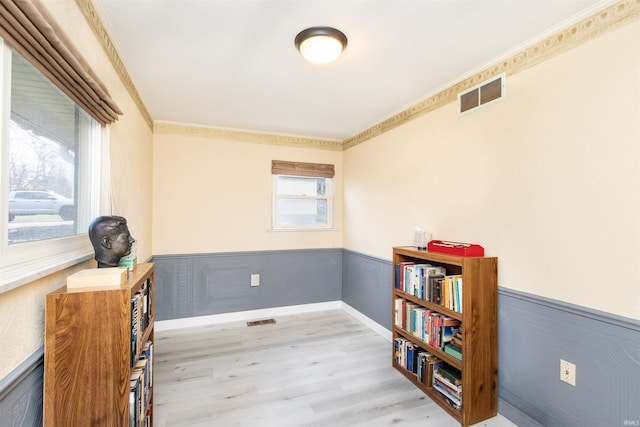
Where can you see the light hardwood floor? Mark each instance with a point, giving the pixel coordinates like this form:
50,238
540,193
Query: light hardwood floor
315,369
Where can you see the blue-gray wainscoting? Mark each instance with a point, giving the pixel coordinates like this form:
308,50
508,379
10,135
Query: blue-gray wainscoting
534,332
21,393
366,286
206,284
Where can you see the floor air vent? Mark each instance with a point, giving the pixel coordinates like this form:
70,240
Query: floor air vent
481,95
261,322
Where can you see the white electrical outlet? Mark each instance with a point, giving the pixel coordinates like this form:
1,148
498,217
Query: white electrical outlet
255,280
568,372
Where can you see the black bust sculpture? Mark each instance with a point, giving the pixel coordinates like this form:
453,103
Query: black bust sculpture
111,240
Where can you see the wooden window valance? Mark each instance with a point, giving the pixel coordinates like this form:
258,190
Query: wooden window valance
283,167
28,28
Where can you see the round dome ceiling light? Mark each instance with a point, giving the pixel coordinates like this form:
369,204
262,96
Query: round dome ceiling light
321,45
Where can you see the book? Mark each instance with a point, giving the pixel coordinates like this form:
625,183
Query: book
455,389
451,398
410,325
433,293
437,284
137,387
399,346
147,353
412,357
135,333
456,341
427,364
450,373
446,292
459,294
431,271
133,400
448,330
453,351
453,285
400,275
398,312
111,277
142,365
149,294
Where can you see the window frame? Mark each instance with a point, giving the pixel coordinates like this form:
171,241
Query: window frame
28,261
276,197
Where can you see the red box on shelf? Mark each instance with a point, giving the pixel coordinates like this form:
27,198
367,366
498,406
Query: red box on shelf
455,248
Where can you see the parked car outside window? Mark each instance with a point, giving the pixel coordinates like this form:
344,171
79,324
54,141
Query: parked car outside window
32,202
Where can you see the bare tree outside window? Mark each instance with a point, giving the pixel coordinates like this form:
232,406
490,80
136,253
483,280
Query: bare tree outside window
38,163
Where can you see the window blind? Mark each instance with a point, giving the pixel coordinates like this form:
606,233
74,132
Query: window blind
283,167
28,28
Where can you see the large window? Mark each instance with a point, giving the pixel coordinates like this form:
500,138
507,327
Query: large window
302,196
50,171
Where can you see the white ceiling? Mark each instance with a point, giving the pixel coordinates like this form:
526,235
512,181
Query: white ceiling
232,64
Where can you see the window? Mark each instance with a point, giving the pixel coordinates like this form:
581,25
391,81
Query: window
51,187
302,195
53,143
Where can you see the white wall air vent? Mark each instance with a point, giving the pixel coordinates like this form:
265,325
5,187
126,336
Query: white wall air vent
484,94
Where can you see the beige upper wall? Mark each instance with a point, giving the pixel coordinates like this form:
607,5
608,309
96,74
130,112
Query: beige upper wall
214,195
548,180
22,309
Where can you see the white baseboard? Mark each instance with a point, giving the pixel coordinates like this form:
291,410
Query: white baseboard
240,316
371,324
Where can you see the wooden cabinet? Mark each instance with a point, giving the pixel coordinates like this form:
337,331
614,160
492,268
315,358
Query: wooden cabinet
91,347
479,330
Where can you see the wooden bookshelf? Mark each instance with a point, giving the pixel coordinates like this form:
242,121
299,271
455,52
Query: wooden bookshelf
479,317
88,352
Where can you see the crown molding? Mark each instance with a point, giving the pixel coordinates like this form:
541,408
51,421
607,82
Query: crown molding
599,23
243,136
90,14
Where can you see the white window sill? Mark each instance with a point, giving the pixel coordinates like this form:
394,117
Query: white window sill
17,275
303,229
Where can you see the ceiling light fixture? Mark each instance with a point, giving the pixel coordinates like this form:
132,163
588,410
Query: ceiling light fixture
321,44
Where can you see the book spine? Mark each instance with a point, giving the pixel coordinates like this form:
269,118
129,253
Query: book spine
456,389
453,351
450,373
134,330
147,352
448,397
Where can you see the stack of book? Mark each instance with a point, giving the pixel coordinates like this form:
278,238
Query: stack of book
447,383
427,365
140,317
416,279
140,385
430,283
454,346
429,326
406,354
447,291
